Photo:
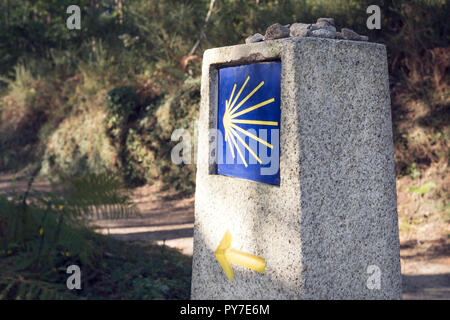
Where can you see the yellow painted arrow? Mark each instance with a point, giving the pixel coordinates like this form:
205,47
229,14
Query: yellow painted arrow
225,255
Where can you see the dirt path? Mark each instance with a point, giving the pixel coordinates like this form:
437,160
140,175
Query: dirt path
425,264
426,269
164,221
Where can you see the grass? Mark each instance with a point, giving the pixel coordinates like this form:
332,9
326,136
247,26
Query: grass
43,233
122,271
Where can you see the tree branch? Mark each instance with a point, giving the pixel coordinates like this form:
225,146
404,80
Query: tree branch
202,32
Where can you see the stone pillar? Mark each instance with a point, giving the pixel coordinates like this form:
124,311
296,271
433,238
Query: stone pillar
329,230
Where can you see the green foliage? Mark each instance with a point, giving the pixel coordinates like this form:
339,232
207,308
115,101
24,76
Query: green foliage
22,86
14,286
413,171
55,79
41,225
141,132
178,110
121,102
166,30
21,115
107,98
38,243
166,276
42,233
99,196
79,145
425,188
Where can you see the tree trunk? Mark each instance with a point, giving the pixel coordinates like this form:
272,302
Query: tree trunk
202,31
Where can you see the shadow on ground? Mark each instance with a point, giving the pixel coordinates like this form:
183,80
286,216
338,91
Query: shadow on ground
170,221
425,287
426,269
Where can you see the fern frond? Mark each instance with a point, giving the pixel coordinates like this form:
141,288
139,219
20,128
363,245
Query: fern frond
92,196
19,288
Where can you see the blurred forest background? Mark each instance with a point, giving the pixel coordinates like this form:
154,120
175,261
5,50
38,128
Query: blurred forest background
105,99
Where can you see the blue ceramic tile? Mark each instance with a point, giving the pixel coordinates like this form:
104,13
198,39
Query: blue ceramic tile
249,122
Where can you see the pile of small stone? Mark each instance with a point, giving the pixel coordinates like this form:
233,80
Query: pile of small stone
323,28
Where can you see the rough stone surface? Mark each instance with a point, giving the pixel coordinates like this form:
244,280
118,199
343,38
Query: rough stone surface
276,31
349,34
324,33
339,36
327,20
334,213
257,37
300,30
323,25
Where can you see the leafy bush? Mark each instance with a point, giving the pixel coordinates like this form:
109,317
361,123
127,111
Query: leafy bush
42,233
121,102
178,110
43,224
79,145
145,64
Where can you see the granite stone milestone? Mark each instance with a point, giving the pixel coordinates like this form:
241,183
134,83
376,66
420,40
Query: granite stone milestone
332,220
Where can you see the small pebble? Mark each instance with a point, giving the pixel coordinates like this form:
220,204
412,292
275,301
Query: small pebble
324,33
323,28
328,20
323,25
349,34
276,31
257,37
300,29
